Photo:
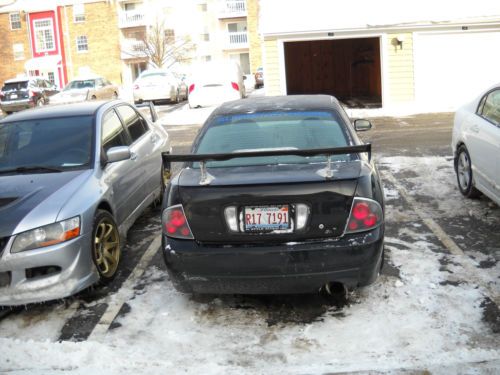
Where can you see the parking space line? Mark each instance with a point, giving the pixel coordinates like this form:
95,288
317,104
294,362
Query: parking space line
447,241
116,301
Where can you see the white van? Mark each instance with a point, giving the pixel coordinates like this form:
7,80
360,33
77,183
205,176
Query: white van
216,82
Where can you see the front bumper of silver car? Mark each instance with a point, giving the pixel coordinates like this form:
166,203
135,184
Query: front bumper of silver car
45,274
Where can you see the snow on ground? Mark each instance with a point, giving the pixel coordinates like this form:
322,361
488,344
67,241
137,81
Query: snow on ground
415,320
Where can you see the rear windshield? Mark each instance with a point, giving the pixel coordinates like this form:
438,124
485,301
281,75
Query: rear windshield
152,75
83,84
12,86
64,143
300,130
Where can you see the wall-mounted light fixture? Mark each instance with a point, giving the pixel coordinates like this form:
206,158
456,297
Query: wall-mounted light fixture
398,42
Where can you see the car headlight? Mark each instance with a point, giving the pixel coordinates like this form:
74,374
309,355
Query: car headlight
47,235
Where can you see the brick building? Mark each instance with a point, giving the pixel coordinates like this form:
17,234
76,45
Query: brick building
59,39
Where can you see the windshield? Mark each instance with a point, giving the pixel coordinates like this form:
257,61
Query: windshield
299,130
80,84
64,143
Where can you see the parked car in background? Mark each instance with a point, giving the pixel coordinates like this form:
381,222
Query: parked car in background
74,178
476,146
86,88
277,196
216,82
158,85
259,78
22,93
182,84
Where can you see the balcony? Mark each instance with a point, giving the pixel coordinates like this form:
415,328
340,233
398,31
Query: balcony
232,8
132,49
131,18
237,40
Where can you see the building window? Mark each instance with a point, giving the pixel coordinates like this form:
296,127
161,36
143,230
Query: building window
202,7
15,21
78,13
50,76
170,35
205,37
81,43
44,35
207,58
18,51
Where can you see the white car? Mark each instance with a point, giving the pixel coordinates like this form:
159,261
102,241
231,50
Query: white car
157,85
476,146
216,82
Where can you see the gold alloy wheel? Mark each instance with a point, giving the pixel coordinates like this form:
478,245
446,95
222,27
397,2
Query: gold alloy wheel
106,247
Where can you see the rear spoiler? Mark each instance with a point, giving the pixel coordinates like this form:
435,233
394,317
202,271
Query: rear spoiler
206,178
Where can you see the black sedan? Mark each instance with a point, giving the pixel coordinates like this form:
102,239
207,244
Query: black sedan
277,196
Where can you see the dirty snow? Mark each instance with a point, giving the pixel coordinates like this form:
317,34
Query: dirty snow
414,319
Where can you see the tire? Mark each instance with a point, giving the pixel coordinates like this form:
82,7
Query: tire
93,97
463,170
114,96
105,234
40,102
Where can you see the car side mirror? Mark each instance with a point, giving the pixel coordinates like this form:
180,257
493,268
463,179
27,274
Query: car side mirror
361,125
118,153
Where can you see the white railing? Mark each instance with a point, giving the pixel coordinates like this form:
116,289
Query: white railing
131,48
132,18
233,8
238,39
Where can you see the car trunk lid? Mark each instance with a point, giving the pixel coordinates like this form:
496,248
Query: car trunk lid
285,187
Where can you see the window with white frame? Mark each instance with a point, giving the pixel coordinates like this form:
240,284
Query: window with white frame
18,51
50,76
44,35
78,13
15,21
81,43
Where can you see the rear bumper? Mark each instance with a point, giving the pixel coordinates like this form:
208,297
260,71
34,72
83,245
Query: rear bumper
353,260
16,105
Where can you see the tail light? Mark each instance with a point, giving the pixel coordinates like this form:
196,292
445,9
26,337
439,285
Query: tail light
175,224
2,94
235,86
191,88
136,87
31,94
366,214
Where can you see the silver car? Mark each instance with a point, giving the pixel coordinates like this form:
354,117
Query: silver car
73,179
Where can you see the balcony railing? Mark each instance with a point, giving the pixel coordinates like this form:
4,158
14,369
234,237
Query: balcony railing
237,40
132,18
232,8
132,48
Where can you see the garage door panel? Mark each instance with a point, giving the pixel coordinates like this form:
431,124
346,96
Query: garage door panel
452,68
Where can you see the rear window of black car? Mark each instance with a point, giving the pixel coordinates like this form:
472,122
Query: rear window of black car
273,130
12,86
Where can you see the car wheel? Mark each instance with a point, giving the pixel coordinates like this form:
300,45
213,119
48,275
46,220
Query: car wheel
106,251
463,169
40,102
93,97
114,96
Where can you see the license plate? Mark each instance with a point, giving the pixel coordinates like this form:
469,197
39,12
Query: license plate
266,218
13,96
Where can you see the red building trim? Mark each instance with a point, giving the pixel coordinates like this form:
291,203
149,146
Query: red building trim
64,78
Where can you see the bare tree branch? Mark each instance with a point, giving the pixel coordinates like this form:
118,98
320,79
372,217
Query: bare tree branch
162,47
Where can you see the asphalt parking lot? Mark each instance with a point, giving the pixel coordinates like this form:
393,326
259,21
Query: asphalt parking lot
435,307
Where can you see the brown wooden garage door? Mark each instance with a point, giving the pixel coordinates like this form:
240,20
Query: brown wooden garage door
346,68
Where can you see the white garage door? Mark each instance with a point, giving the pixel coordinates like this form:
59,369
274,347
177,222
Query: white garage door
452,68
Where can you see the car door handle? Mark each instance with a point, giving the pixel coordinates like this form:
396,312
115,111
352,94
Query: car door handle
474,128
154,138
133,156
